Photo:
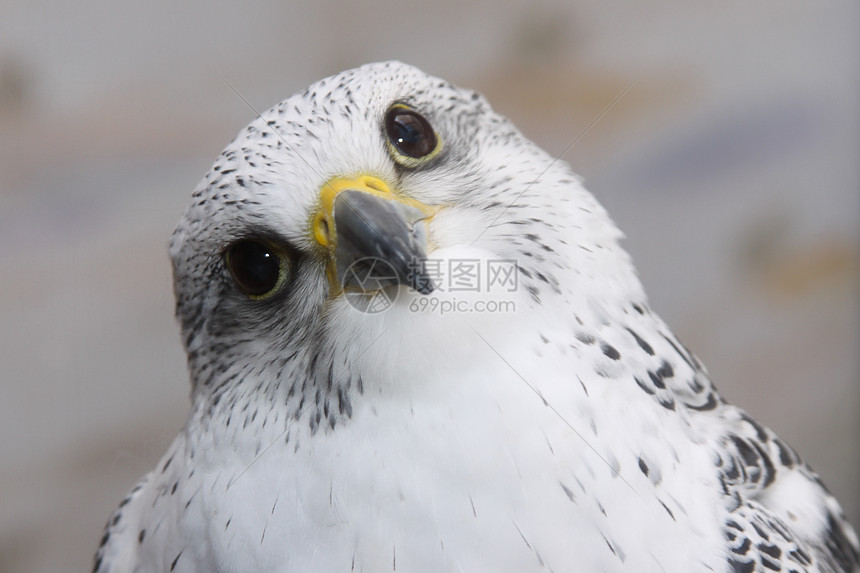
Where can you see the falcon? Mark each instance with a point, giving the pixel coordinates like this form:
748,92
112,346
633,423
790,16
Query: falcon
416,345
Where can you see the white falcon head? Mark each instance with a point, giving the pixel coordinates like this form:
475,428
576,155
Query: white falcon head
382,162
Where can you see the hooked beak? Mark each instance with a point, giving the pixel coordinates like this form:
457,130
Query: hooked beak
374,237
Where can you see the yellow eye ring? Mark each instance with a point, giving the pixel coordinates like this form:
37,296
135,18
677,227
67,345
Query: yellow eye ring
258,267
410,138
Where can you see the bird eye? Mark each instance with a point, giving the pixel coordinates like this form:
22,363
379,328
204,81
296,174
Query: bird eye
258,267
410,136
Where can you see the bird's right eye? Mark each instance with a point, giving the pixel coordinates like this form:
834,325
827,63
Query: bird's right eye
258,267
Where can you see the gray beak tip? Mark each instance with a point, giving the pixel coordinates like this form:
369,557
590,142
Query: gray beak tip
380,242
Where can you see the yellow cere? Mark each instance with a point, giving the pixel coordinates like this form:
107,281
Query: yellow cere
323,221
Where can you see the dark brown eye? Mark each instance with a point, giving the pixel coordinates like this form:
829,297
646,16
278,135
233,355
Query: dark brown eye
409,133
258,267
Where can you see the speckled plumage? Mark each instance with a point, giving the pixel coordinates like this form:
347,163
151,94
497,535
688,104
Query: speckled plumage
572,433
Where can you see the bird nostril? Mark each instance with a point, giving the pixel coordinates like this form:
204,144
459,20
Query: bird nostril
375,184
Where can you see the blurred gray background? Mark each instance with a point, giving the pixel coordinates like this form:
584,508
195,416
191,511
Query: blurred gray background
731,164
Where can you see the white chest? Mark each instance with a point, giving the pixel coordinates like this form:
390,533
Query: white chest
481,476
